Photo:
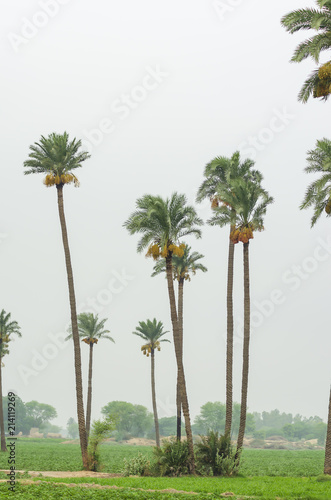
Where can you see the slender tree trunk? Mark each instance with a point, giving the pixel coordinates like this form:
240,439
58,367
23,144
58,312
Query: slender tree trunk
244,383
229,341
182,384
180,321
75,335
89,393
327,463
156,418
2,422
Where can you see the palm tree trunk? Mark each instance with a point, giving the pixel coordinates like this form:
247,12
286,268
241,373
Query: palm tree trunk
229,341
327,463
244,383
75,335
2,422
89,393
180,320
156,419
180,367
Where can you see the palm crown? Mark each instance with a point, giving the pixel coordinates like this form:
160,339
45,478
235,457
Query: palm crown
163,223
56,157
248,203
91,328
183,265
7,328
318,194
151,332
318,83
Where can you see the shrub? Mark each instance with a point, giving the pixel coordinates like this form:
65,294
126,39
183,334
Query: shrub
137,466
171,458
216,456
101,429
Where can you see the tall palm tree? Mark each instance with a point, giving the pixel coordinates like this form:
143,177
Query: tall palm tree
56,157
163,223
244,207
219,173
92,330
318,197
7,329
183,267
151,332
318,83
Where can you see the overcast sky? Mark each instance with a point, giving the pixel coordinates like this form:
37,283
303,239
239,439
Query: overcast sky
155,90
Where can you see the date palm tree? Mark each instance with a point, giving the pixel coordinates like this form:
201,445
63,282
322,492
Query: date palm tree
57,158
7,329
219,173
152,332
91,330
318,197
163,223
244,207
318,83
183,268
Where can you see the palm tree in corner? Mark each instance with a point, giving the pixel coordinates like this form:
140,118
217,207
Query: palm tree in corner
91,330
56,158
151,333
163,223
183,267
7,328
318,197
318,83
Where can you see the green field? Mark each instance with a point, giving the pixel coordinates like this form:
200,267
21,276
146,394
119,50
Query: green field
265,474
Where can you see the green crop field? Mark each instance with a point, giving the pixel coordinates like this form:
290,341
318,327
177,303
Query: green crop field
265,474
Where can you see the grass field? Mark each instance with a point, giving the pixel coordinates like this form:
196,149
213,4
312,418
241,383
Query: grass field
265,474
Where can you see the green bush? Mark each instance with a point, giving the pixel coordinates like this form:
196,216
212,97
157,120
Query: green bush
216,456
136,466
171,459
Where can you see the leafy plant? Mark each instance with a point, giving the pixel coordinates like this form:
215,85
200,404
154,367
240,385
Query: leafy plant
172,458
136,466
101,429
215,455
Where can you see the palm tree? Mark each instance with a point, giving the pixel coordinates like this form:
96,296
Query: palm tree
244,207
318,83
183,267
56,157
92,330
7,328
318,196
219,173
327,462
163,223
151,332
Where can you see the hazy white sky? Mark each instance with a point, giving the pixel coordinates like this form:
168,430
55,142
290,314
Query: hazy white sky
156,90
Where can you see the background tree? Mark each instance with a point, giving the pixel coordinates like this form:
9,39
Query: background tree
72,428
56,157
319,20
7,329
39,413
212,417
151,332
219,173
183,268
163,224
92,330
131,420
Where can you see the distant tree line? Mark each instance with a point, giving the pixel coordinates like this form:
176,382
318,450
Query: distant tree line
31,414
